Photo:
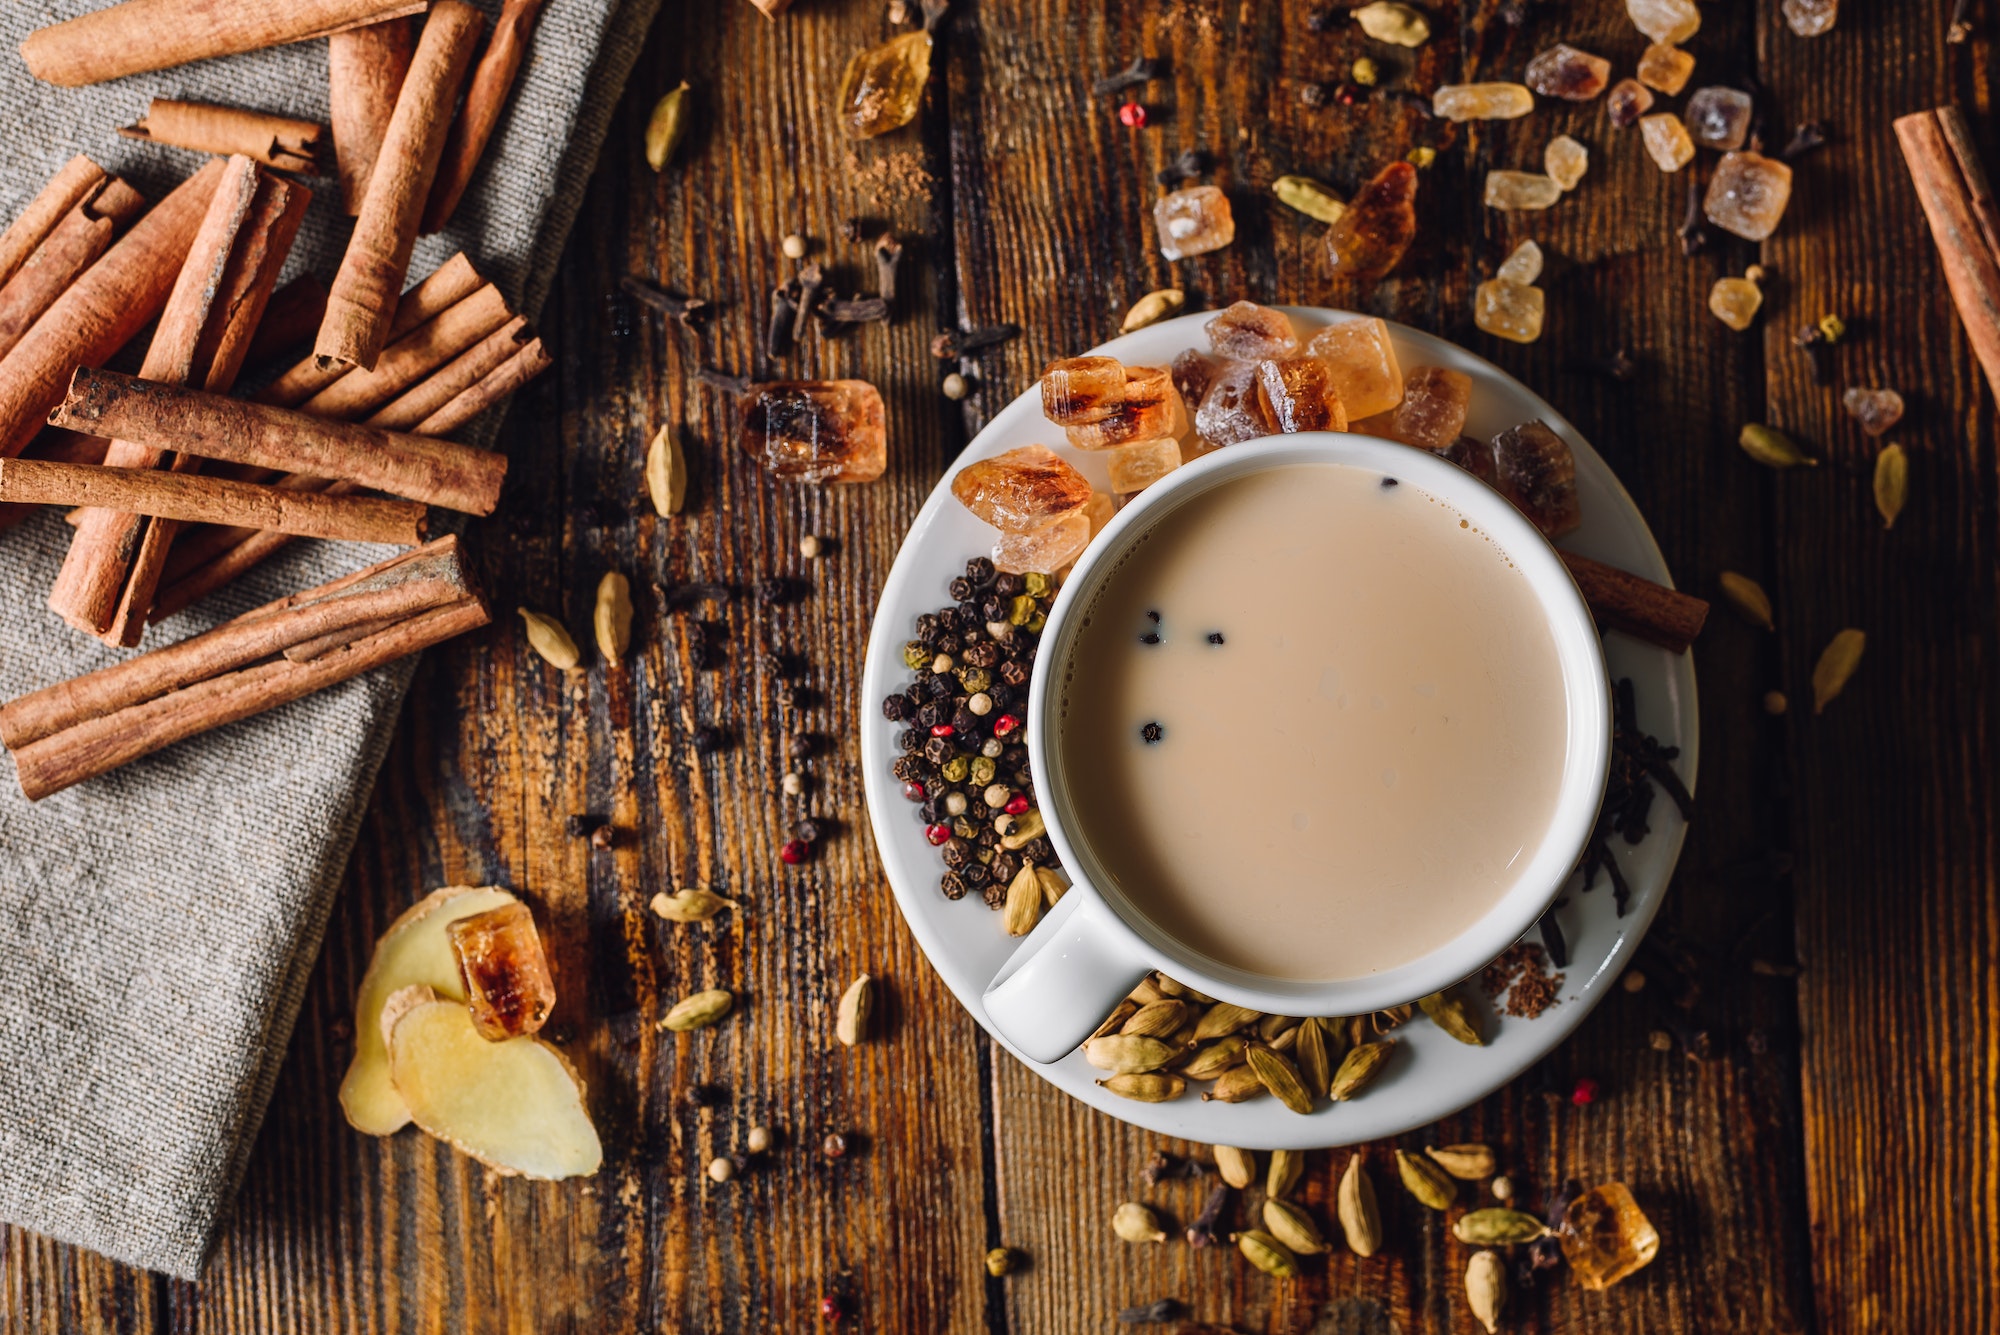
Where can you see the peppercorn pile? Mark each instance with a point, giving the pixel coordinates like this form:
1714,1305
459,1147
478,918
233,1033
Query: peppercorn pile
963,759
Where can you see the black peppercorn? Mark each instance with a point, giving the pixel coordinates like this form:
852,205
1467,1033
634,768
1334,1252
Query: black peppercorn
960,590
970,621
807,830
965,721
1312,95
1007,584
938,750
976,874
1015,673
980,570
708,740
926,624
952,884
908,769
981,655
1014,757
949,642
1005,866
932,714
1040,852
993,609
893,708
804,746
995,894
947,618
927,812
909,739
801,697
937,687
1215,637
988,837
956,853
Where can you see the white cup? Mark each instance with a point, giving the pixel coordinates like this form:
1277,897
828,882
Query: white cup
1092,948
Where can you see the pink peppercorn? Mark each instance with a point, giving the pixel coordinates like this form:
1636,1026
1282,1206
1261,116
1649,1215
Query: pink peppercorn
943,730
1005,724
914,791
794,852
1017,804
831,1308
1585,1092
1133,114
938,834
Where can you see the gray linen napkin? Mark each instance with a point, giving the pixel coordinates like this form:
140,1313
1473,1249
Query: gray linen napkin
158,925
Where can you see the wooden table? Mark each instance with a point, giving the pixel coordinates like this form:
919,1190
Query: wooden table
1829,1167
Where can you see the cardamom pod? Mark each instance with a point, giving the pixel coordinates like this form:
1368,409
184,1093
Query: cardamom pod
1294,1227
1486,1288
1773,448
1892,483
1158,1020
1315,1063
1147,1087
666,127
1135,1223
1223,1018
1121,1054
1120,1013
611,619
1026,830
1360,1217
1147,992
1426,1181
698,1011
1468,1163
1234,1086
1211,1061
851,1023
1271,1026
1280,1077
1173,988
1497,1226
1238,1167
1054,885
666,472
1308,197
1152,308
690,905
547,637
1449,1012
1024,902
1747,596
1361,1065
1266,1253
1836,664
1283,1175
1286,1041
1393,23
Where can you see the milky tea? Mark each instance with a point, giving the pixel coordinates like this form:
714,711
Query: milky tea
1313,723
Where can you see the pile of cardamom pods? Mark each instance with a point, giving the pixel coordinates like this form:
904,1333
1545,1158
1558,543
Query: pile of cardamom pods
1165,1034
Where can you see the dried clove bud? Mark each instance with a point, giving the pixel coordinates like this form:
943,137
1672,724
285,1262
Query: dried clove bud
1960,26
722,380
811,279
1192,163
1166,1309
837,312
1812,340
1619,366
688,310
1804,140
784,314
954,343
1208,1226
888,253
1142,70
1693,234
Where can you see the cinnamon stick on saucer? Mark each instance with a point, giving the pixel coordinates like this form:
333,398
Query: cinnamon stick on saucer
77,730
142,35
1642,609
362,302
78,179
364,73
276,141
485,97
77,240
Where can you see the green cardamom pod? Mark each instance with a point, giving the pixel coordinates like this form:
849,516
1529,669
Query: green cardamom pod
1294,1227
1271,1026
1308,197
667,127
851,1020
611,617
1497,1226
1892,483
699,1011
1281,1078
1158,1020
1217,1057
1266,1253
1024,902
1486,1289
1449,1012
1145,1087
1773,448
1360,1066
1234,1086
1468,1163
1426,1181
1286,1168
1025,831
690,905
1747,596
1836,664
1135,1223
1223,1018
1152,308
666,472
1121,1054
547,637
1174,988
1237,1167
1360,1216
1315,1061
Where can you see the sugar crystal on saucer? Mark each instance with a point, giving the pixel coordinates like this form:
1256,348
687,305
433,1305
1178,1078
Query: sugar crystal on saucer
1231,412
1535,469
1249,332
1432,413
1048,548
1021,489
1077,390
1356,349
1139,465
1298,394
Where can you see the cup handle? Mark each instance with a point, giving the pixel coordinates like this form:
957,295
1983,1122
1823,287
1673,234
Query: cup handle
1068,974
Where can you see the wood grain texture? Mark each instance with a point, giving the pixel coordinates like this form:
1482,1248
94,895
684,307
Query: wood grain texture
1830,1166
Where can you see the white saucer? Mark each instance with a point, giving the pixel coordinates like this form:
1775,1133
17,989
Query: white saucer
1432,1075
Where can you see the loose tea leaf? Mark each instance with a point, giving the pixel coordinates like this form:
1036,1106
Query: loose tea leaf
1426,1181
851,1024
1773,448
1152,308
1237,1167
1308,197
1497,1227
1281,1078
1360,1216
690,905
1836,664
699,1011
1747,596
666,472
1449,1012
1293,1227
666,127
1892,483
1267,1253
547,637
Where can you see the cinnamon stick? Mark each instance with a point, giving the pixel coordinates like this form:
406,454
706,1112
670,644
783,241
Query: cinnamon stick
365,69
460,374
183,586
169,707
213,500
450,283
1640,608
109,303
515,372
276,141
440,472
485,97
290,318
412,357
362,302
77,180
142,35
1952,188
73,245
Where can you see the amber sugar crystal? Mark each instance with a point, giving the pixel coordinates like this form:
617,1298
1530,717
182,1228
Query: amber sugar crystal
1047,549
1249,332
1358,353
506,975
1371,237
884,85
1139,465
1080,390
1298,394
1231,411
1193,222
1564,71
1605,1236
1535,469
1432,413
816,430
1149,407
1021,489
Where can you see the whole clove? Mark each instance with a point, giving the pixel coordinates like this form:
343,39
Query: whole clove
1619,366
1804,140
811,280
688,310
955,343
1411,98
784,313
837,312
1552,936
1142,70
722,380
1192,163
1208,1226
1165,1309
1812,340
1960,27
1692,231
1164,1166
888,253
